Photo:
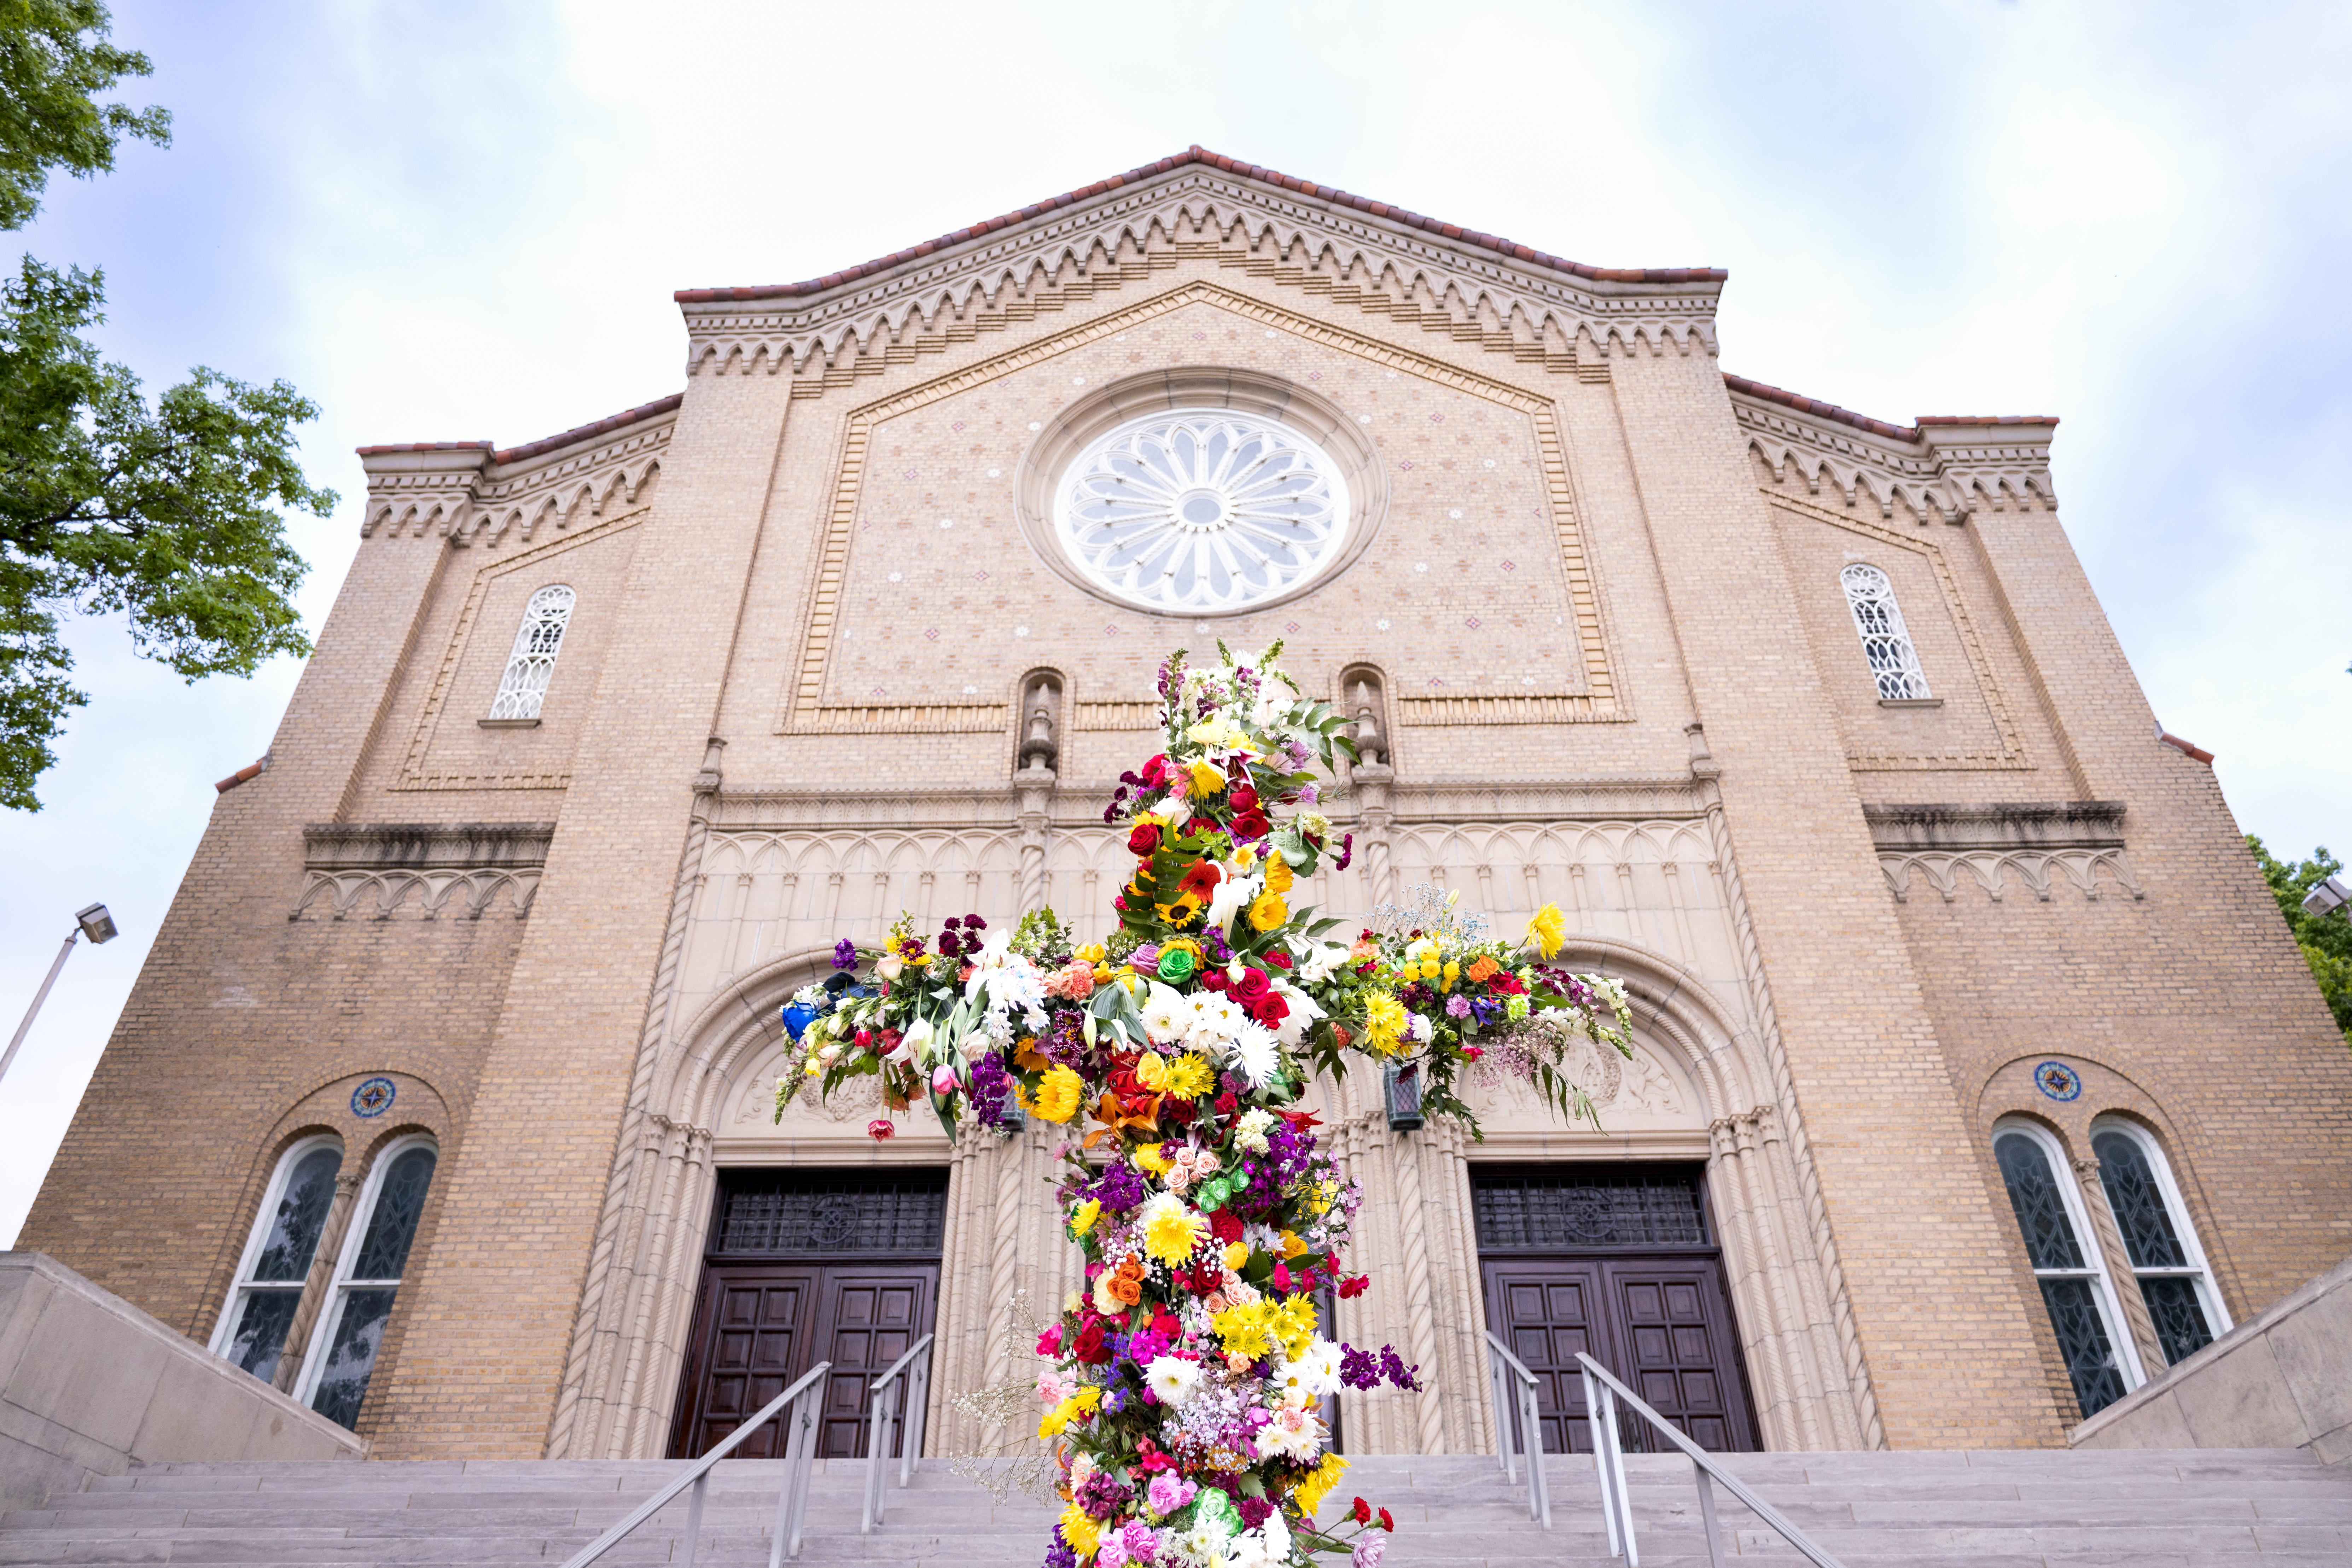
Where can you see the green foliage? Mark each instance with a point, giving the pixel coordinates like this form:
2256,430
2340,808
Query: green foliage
165,515
2325,940
54,58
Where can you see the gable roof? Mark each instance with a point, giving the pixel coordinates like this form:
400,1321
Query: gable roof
1525,255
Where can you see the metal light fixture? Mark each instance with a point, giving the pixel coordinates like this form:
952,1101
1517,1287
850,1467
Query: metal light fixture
2327,897
1400,1083
93,923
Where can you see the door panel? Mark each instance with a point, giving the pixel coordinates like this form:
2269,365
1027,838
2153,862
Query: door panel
1549,1311
760,1326
1677,1349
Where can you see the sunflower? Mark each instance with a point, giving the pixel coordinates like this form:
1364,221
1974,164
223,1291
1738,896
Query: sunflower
1267,910
1058,1095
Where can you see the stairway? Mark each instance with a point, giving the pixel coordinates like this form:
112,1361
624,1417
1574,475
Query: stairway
2039,1509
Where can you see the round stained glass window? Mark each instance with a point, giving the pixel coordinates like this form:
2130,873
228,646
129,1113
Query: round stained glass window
1202,511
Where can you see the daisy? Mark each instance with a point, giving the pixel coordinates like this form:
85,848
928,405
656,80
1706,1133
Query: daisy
1173,1381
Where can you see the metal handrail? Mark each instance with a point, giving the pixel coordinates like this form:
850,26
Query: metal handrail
1524,1383
792,1503
1601,1395
910,1424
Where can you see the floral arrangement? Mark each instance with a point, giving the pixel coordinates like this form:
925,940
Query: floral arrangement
1182,1385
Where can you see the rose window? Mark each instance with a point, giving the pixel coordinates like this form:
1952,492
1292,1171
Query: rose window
1202,511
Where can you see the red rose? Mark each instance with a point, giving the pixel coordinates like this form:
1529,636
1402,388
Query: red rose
1278,958
1226,1226
1090,1347
1269,1010
1243,798
1215,978
1250,824
1155,772
1506,984
1201,824
1252,985
1144,839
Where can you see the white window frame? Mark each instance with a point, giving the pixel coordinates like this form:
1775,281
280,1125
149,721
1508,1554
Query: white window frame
1860,579
340,1285
256,1239
2086,1242
2198,1270
522,688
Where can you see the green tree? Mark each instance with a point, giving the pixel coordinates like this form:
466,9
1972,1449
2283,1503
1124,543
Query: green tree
2325,940
166,514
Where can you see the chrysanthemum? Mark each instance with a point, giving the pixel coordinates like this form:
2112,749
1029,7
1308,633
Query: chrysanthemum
1172,1380
1255,1054
1171,1229
1546,928
1166,1014
1384,1022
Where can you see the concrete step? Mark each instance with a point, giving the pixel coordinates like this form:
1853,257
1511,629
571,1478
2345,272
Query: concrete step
2167,1510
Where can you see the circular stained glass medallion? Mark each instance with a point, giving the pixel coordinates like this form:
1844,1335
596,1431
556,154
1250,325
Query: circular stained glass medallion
1202,511
373,1097
2058,1080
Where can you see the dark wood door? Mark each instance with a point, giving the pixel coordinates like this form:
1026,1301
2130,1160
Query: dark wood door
1617,1265
759,1327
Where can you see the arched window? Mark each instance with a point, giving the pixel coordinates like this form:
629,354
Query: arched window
2065,1257
532,663
2159,1239
268,1288
376,1252
1885,641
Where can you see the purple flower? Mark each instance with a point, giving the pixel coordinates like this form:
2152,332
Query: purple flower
1458,1006
844,954
1103,1495
1358,1369
1394,1365
1254,1511
1347,851
989,1086
1369,1551
1059,1554
1120,1189
972,923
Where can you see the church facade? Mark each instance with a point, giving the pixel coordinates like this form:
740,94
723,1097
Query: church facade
1975,1081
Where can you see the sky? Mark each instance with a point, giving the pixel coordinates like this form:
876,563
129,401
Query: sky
446,221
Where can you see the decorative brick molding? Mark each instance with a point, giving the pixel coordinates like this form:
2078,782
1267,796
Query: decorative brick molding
379,869
2038,842
1945,468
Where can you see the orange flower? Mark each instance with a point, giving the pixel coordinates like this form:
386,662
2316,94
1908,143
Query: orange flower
1126,1285
1484,967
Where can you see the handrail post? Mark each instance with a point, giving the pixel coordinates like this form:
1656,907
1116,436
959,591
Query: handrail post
919,1393
1538,1483
1506,1417
694,1517
1612,1453
792,1502
875,1454
1706,1515
1599,1460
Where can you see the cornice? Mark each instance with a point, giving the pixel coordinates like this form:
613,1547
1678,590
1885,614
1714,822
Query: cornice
1946,467
467,492
987,276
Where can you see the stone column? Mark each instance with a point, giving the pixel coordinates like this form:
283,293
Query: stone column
315,1284
2108,1237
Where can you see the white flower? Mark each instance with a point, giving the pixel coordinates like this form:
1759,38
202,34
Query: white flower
1303,1012
1009,980
1216,1018
914,1044
1232,896
1255,1052
1172,1378
1316,1373
888,965
1250,1131
1203,1545
1318,961
1166,1014
1268,1546
1419,1027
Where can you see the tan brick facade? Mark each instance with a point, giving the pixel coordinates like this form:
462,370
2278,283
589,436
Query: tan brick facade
1599,623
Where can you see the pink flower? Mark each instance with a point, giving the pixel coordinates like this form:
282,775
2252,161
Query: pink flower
880,1130
943,1080
1370,1550
1112,1553
1170,1493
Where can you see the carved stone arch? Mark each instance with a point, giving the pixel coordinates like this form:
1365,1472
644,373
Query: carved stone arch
641,491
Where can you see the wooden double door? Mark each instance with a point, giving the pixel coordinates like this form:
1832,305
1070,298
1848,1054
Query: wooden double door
1644,1296
762,1319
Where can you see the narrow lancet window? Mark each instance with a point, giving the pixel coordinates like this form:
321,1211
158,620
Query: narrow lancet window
2160,1241
1885,641
269,1278
2073,1283
343,1353
532,663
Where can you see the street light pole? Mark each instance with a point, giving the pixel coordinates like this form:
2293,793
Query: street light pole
93,923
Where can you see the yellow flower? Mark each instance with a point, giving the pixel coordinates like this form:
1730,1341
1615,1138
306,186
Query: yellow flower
1080,1531
1428,969
1148,1156
1293,1244
1246,856
1316,1483
1383,1022
1170,1229
1547,929
1208,779
1294,1324
1236,1253
1267,910
1179,910
1278,875
1248,1330
1057,1095
1092,953
1188,1077
1151,1072
1453,974
1084,1219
